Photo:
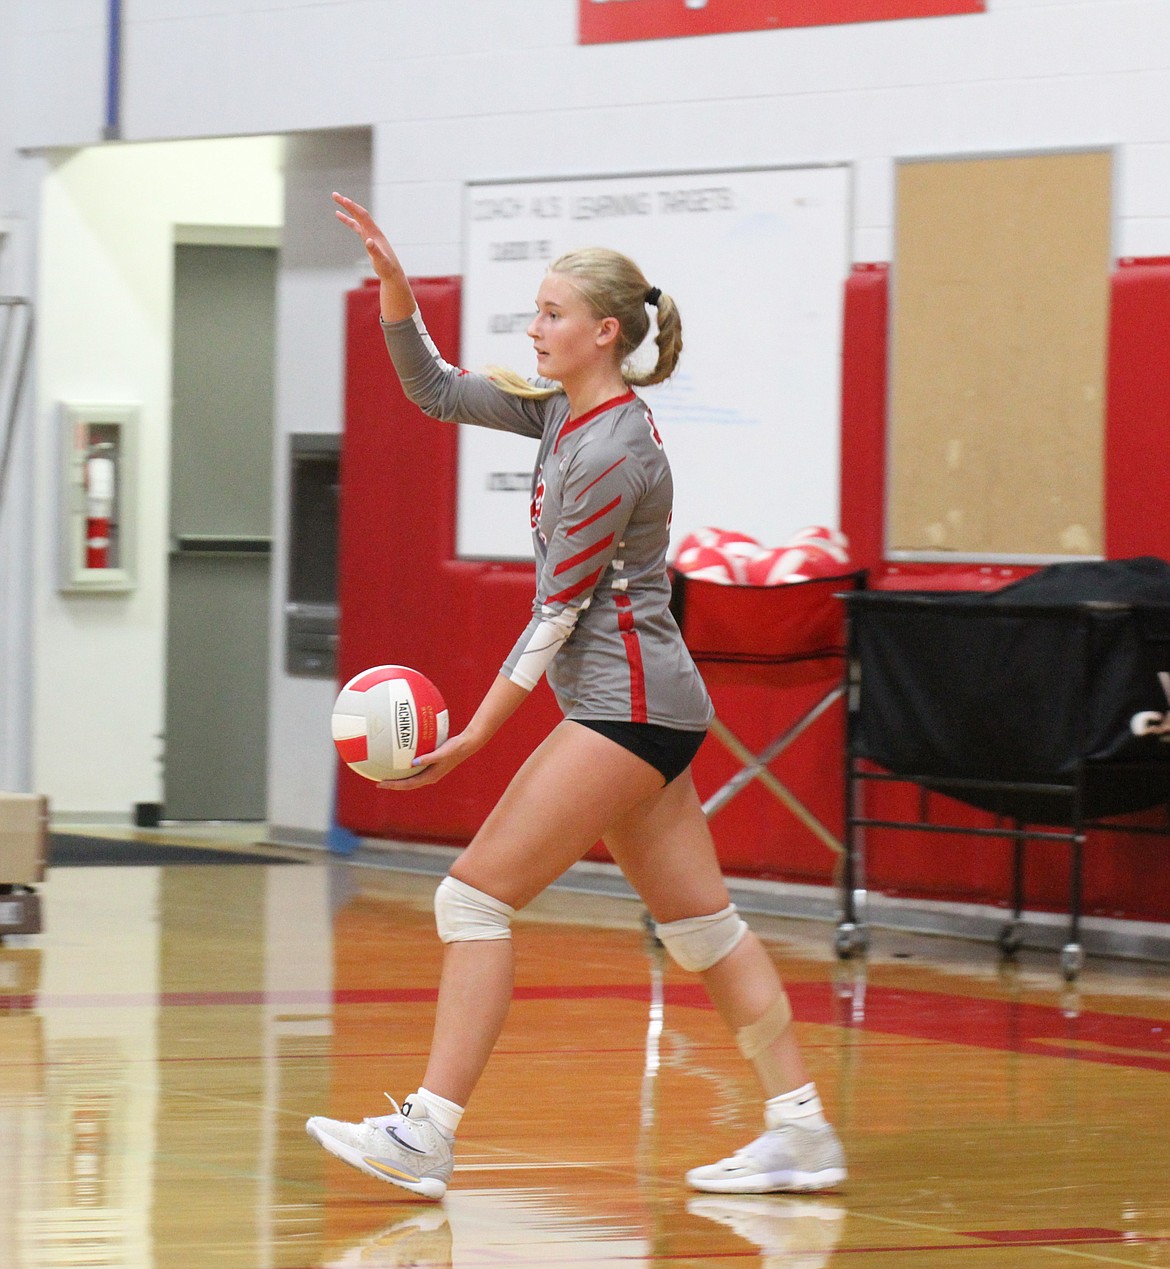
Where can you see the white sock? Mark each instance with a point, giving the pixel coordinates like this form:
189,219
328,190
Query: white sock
802,1106
446,1115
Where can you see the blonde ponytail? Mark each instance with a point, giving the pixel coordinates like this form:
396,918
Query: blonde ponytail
517,386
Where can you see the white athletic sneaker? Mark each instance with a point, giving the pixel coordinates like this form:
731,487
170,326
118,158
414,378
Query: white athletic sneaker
788,1158
405,1148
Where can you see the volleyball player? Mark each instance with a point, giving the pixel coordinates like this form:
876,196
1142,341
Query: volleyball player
617,768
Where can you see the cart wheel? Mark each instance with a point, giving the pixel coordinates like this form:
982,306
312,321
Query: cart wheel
1072,959
850,939
1010,940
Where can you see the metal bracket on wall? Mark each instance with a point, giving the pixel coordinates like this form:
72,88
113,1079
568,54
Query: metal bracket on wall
221,544
15,352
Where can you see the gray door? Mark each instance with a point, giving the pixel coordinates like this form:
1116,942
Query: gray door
215,741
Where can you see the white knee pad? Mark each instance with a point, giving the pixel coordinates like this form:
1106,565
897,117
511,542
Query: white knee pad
699,942
464,914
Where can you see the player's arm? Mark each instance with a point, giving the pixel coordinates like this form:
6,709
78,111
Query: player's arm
583,546
397,299
599,495
441,390
601,487
446,392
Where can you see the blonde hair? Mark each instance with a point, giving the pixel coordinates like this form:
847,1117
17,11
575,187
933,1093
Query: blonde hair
613,286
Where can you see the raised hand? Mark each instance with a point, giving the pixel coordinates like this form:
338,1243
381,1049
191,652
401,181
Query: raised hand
397,297
377,245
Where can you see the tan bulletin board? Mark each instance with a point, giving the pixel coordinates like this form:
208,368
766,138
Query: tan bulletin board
999,324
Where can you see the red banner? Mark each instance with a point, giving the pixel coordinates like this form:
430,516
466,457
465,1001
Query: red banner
615,21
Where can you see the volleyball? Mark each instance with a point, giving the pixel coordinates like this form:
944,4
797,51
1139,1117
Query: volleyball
384,718
824,559
736,559
706,563
821,535
716,555
779,566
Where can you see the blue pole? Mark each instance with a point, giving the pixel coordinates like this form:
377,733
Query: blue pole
339,839
113,126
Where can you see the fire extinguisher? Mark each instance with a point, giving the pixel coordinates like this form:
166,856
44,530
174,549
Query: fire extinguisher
99,507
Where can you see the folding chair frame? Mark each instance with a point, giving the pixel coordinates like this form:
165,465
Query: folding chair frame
739,651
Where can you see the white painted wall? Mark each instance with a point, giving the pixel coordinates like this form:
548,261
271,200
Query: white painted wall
463,89
59,69
105,310
319,262
458,89
16,239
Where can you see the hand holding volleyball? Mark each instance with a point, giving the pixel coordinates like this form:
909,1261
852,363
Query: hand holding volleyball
386,717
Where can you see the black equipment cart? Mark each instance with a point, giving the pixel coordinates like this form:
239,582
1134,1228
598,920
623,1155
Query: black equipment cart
1046,703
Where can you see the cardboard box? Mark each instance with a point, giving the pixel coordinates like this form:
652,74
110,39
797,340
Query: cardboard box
22,1054
24,833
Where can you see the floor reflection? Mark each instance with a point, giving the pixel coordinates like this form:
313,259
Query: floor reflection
790,1233
474,1229
164,1039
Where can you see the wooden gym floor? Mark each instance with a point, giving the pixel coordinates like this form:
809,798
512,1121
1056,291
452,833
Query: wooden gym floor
165,1037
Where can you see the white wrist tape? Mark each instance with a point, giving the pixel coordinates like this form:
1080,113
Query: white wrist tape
544,644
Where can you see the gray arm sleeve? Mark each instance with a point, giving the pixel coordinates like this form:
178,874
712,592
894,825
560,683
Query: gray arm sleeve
455,396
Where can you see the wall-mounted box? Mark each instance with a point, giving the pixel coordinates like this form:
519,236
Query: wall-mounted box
311,604
98,503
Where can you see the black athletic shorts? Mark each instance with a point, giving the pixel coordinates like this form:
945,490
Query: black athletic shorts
667,749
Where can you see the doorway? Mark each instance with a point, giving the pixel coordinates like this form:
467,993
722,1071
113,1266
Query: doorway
215,730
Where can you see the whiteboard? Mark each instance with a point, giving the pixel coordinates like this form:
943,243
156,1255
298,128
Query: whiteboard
756,261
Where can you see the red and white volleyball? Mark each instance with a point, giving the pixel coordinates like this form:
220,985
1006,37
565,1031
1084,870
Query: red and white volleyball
717,555
384,718
821,535
778,567
706,564
824,559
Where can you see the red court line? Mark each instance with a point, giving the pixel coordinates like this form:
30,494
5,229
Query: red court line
1046,1235
1002,1026
1113,1238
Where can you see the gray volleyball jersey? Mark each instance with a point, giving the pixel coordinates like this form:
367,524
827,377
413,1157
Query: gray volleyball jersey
601,625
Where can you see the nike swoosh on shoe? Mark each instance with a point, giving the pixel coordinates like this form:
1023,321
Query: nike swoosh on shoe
404,1144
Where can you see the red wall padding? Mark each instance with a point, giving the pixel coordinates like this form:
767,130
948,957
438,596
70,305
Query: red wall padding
1136,455
405,598
863,413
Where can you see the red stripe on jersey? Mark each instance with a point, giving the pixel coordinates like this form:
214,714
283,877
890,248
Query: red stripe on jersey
609,506
600,478
634,657
563,596
571,425
582,556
